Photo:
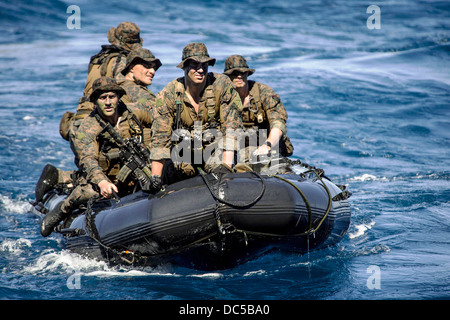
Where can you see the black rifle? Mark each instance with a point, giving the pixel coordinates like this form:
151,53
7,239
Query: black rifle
134,156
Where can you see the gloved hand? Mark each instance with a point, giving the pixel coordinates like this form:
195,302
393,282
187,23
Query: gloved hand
155,183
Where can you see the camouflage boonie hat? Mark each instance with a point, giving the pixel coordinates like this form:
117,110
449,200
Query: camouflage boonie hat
127,35
196,51
140,54
236,63
105,84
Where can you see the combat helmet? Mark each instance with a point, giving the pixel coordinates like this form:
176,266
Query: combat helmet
196,51
105,84
140,54
236,63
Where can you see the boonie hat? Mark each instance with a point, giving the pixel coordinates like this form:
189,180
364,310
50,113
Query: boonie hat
140,54
196,51
127,35
105,84
236,63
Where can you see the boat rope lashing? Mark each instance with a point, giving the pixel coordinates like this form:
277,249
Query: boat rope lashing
311,230
89,221
127,255
305,200
308,207
329,200
227,202
319,173
228,228
93,233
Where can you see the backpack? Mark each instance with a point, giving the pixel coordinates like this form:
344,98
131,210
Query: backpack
64,124
98,65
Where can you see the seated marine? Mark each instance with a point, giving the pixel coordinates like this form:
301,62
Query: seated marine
263,112
139,72
109,62
99,142
140,69
195,119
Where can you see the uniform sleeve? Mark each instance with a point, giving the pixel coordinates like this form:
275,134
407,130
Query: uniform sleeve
276,113
230,113
86,146
163,116
144,117
147,100
150,99
127,100
118,66
143,97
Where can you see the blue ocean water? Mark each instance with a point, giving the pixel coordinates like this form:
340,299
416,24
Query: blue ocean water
369,106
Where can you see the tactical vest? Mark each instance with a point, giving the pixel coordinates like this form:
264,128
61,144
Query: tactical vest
254,114
108,157
98,65
210,118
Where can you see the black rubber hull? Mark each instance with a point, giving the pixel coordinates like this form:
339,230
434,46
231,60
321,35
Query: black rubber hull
187,226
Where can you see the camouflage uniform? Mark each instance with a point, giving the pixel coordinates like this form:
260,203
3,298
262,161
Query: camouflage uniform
143,97
137,92
219,108
96,150
126,37
265,110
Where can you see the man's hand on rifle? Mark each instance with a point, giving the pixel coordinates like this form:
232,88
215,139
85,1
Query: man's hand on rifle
107,188
155,183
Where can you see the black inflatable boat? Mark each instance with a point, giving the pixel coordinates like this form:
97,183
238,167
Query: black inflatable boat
210,222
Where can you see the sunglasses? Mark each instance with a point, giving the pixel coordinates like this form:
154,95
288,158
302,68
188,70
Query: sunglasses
198,65
238,73
149,65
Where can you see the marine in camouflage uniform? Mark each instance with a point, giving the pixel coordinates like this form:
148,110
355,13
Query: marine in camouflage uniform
263,112
139,71
125,37
199,102
99,152
110,62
